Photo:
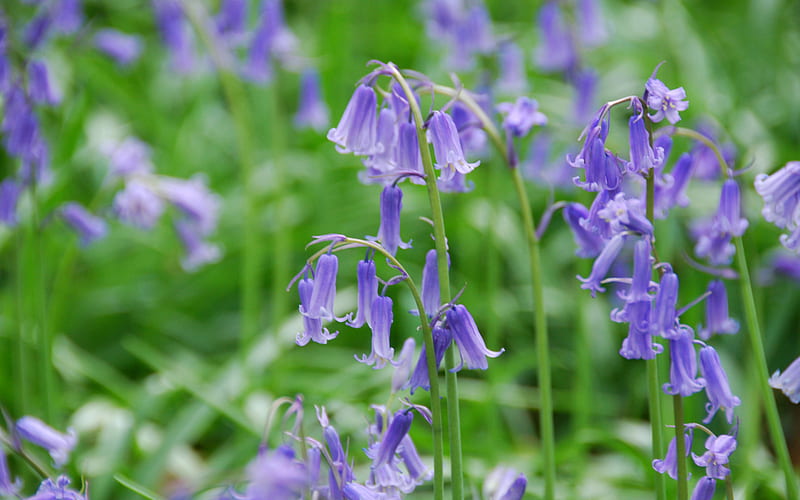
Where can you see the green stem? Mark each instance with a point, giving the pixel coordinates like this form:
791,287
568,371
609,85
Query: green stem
234,92
729,488
760,361
680,447
440,241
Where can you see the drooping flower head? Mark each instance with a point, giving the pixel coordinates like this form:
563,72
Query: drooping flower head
717,319
59,445
683,378
667,103
389,231
56,490
670,462
468,339
704,490
124,49
521,116
89,227
357,130
276,474
367,292
643,156
556,51
717,388
504,483
602,264
312,327
380,321
312,111
442,338
447,146
323,294
788,381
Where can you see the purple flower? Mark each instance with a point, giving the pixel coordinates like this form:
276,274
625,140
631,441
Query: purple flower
556,51
89,227
670,462
130,157
454,183
403,365
9,195
380,321
407,155
447,146
714,245
704,490
57,444
231,20
521,116
138,205
673,192
585,82
717,388
367,292
602,264
123,48
781,193
683,366
504,483
642,270
312,327
397,430
643,156
719,448
512,69
717,319
639,344
430,284
7,486
667,103
626,214
592,29
193,198
728,218
382,161
56,490
176,34
788,381
389,230
320,304
38,29
276,474
357,130
442,338
413,462
312,111
589,244
665,321
39,87
473,138
271,38
468,339
198,251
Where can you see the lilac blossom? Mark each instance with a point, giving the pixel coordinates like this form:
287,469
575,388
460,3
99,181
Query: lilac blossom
124,49
431,299
665,320
643,156
673,193
89,227
504,483
602,264
704,490
380,321
312,327
592,30
589,244
56,490
718,449
130,157
473,137
320,304
389,230
312,112
714,245
138,205
717,388
231,20
382,161
683,378
193,198
417,470
717,319
40,89
357,130
407,155
585,82
367,292
7,486
59,445
272,38
626,214
670,462
10,191
198,251
728,219
667,103
276,474
447,146
781,193
403,365
788,381
556,51
705,162
442,338
521,116
454,183
468,339
397,430
176,33
68,16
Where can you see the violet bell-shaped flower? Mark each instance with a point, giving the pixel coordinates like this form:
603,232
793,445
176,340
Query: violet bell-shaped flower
521,116
138,205
199,252
665,320
312,327
276,474
673,193
592,30
716,457
473,137
667,103
626,214
470,343
556,51
130,157
430,284
781,194
704,489
602,264
193,198
683,366
407,154
639,342
504,483
442,338
728,218
511,60
670,462
382,162
403,365
124,49
389,230
40,89
89,227
312,111
398,428
357,130
381,318
447,146
788,381
413,462
717,319
589,244
717,388
643,156
57,444
56,490
367,292
320,304
176,33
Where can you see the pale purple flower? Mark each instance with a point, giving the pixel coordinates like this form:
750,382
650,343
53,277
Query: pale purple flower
199,252
717,388
472,34
602,264
276,474
589,244
643,156
728,219
704,490
320,304
68,16
673,193
38,29
231,20
56,490
9,195
683,378
718,451
124,49
7,486
403,365
40,89
556,50
788,381
521,116
417,470
592,30
670,462
468,339
639,342
367,292
312,327
665,320
504,483
272,38
717,319
59,445
397,430
380,321
389,230
447,146
382,162
176,33
781,193
626,214
88,227
312,111
193,198
473,137
667,103
585,82
407,155
130,157
430,284
714,245
454,183
357,130
138,205
512,78
442,338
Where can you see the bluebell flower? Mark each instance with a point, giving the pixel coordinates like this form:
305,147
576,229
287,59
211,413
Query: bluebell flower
20,125
138,205
667,103
397,430
312,111
447,146
589,244
454,183
276,474
670,462
56,490
407,155
626,214
602,264
312,327
383,161
389,230
231,20
417,470
556,50
357,130
471,34
683,378
512,78
643,156
704,489
639,342
728,219
430,284
380,321
717,319
59,445
68,16
193,198
781,193
176,33
473,137
442,338
367,292
39,87
38,29
521,116
592,30
198,251
320,304
130,157
124,49
717,388
673,193
403,365
504,483
8,488
9,195
340,471
711,244
89,227
718,449
585,82
665,320
468,339
788,381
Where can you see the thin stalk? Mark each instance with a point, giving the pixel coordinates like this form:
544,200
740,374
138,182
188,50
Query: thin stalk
680,447
232,88
540,318
760,362
440,241
39,310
